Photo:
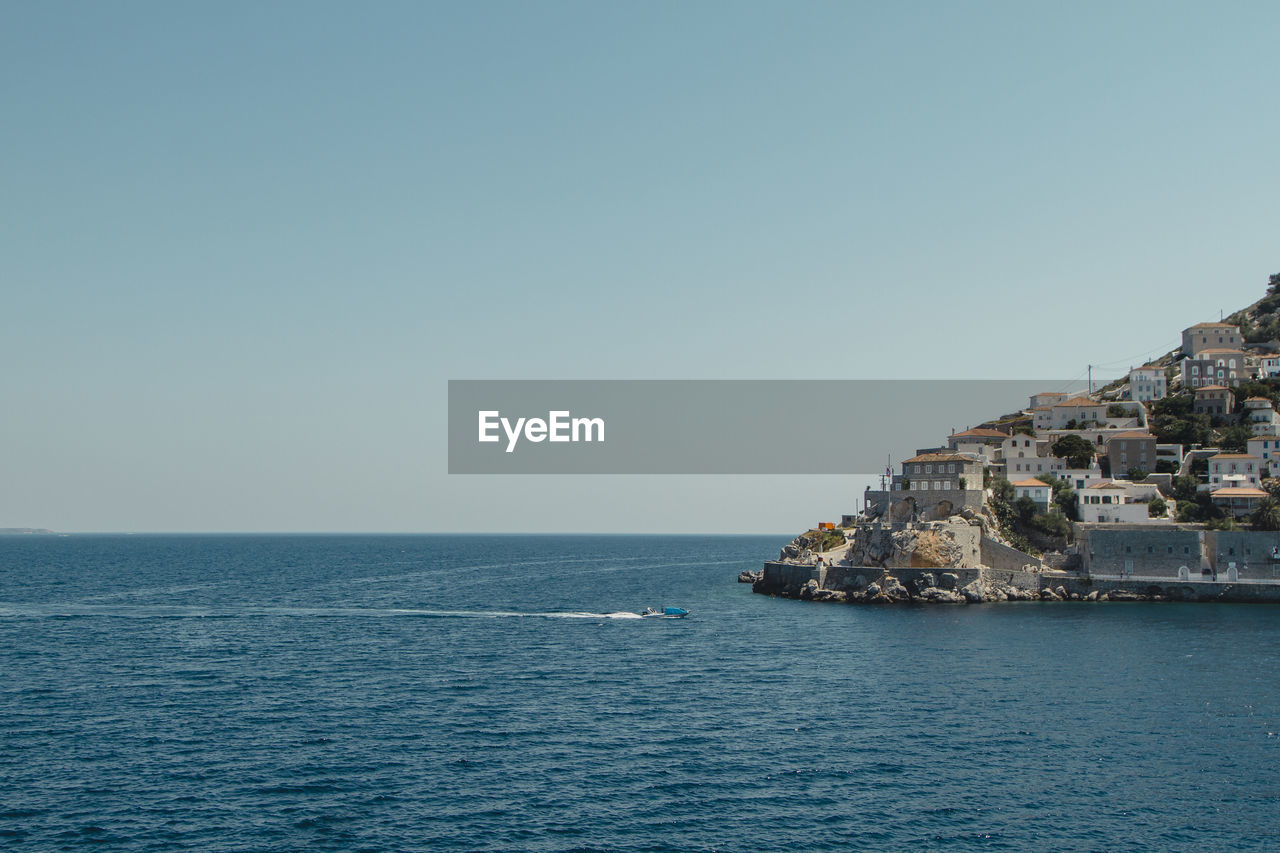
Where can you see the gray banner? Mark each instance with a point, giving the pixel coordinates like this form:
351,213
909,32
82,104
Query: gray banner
714,426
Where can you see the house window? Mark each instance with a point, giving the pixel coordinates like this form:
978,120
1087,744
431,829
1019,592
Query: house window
928,469
917,471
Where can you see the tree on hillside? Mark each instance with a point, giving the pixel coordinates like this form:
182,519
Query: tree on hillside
1267,515
1235,439
1063,495
1185,430
1157,507
1076,450
1183,488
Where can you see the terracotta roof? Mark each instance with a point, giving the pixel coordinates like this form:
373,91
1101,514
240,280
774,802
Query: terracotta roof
1259,400
1213,326
1133,433
1234,456
1109,484
985,433
1232,350
1238,492
1037,483
955,456
1043,409
1212,388
1077,402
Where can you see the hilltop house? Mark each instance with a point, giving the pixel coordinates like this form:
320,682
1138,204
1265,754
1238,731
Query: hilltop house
1078,409
1203,336
1041,418
1047,398
1233,469
1214,400
1238,500
1040,492
1083,478
980,435
1214,367
1109,503
1268,365
1147,383
1131,449
1260,416
1266,448
1022,458
941,477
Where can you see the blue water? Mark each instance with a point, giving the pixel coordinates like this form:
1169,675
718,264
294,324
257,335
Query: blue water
488,693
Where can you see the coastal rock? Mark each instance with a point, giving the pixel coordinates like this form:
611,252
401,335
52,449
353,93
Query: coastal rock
949,580
873,590
1047,594
1060,591
926,580
894,589
942,509
941,596
750,576
1092,596
903,510
973,593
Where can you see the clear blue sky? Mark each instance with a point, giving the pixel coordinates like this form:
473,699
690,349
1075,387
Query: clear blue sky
244,245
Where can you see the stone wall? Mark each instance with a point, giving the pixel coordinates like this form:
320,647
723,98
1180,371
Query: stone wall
1140,549
997,555
959,499
779,575
1250,550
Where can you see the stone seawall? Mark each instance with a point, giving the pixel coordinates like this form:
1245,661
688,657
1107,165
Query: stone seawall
876,585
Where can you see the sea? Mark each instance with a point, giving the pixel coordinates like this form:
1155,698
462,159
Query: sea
493,693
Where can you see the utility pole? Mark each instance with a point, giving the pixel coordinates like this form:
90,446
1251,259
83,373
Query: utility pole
1090,380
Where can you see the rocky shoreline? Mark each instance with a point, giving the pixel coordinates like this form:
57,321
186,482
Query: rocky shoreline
943,588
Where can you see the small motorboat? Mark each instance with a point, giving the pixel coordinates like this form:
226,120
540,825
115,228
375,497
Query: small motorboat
664,613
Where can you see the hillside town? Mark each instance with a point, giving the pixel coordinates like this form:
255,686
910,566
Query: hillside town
1168,475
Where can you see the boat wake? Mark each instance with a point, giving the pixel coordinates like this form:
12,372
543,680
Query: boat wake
14,610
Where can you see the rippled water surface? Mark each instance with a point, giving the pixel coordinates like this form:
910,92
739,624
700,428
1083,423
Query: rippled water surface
497,693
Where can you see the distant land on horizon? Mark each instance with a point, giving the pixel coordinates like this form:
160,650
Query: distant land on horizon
17,531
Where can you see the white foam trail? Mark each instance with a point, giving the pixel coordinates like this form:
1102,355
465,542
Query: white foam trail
171,611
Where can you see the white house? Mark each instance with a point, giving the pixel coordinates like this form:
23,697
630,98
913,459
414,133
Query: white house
1147,383
1266,448
1047,398
1023,460
1038,491
1260,416
1083,478
1268,365
1078,409
1109,503
1235,470
1239,500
